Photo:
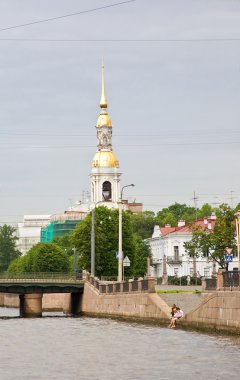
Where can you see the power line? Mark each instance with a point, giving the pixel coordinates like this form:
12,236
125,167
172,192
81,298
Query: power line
118,40
67,15
118,146
194,133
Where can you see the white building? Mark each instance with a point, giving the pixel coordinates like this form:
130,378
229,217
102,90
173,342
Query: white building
29,231
169,255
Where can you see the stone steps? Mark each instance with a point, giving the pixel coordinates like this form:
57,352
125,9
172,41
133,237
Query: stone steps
186,301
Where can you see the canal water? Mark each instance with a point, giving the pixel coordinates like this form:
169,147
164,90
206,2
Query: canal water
58,347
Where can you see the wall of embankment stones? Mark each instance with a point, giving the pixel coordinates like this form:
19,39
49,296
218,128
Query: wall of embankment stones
219,311
137,306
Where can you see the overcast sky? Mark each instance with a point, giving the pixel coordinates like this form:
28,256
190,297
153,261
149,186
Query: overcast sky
174,105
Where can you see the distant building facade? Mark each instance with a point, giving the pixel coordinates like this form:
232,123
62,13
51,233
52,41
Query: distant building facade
28,232
61,224
169,254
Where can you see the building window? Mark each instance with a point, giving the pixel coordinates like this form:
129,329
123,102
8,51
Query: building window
206,272
176,252
176,272
191,272
107,191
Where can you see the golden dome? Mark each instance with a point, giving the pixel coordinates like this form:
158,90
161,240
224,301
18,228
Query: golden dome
104,119
105,159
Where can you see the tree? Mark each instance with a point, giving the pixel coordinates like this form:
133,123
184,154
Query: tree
65,243
143,223
8,251
205,210
223,235
43,257
106,241
141,253
175,212
214,243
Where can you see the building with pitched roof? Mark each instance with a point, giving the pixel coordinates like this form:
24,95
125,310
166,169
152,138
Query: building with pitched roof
170,257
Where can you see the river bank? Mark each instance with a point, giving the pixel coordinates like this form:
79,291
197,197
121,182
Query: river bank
216,312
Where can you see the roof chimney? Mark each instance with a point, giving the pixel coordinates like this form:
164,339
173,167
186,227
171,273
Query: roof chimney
213,216
156,232
181,223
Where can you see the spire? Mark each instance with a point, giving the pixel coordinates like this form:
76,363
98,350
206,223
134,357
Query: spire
103,101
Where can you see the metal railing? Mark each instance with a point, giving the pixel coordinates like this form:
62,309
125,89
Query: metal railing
231,279
174,260
115,287
126,287
211,283
40,276
135,286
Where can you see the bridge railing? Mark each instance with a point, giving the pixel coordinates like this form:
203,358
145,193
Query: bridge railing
41,276
146,285
231,279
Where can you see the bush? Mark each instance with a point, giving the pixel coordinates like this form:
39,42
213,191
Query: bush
173,280
43,257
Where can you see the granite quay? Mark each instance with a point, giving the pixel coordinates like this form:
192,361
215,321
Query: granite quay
215,309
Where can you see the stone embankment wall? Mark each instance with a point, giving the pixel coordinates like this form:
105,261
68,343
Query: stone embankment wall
138,306
219,311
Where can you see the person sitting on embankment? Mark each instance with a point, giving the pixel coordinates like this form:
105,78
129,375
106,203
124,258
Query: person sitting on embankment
178,313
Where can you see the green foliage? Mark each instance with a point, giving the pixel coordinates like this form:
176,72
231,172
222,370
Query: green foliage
17,265
223,235
205,242
143,223
8,250
175,212
141,253
206,210
65,242
106,243
199,245
43,257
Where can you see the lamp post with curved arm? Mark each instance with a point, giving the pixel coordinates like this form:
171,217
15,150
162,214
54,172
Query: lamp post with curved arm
93,240
120,252
237,215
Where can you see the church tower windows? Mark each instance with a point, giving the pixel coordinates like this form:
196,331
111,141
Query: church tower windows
107,191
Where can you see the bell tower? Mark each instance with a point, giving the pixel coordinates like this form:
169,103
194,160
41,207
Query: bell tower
105,175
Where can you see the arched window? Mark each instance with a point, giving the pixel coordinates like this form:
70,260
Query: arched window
107,191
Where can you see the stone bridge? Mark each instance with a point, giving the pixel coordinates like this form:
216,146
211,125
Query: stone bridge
31,287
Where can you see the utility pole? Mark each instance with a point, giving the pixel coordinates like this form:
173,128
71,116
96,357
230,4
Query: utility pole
120,252
195,199
231,197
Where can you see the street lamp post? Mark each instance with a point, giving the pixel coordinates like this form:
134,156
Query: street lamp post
93,240
120,252
93,244
75,260
237,214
